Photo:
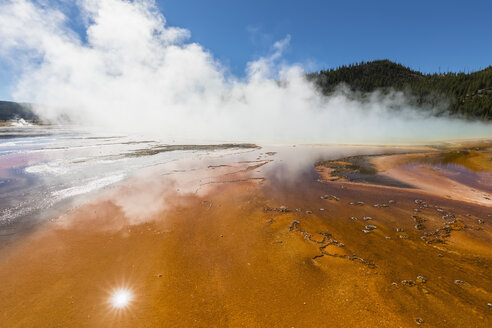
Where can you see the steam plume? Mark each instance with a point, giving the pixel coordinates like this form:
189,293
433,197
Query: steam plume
133,73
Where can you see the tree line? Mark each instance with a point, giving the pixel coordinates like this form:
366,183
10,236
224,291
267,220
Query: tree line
461,94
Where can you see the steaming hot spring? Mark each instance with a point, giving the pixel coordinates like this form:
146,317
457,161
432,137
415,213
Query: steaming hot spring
146,184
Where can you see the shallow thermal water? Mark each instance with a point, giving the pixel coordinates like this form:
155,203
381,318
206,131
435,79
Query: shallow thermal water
45,167
461,174
191,234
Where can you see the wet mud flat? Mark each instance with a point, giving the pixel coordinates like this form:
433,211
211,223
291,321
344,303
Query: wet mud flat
357,169
257,240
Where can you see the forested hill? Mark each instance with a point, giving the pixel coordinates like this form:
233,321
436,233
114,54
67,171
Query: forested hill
11,110
463,94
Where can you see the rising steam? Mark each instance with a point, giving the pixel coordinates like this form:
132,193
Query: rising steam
132,73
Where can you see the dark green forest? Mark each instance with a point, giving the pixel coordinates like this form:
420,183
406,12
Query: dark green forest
466,95
11,110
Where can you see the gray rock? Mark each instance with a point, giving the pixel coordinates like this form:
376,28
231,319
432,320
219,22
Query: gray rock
332,197
449,216
294,225
409,283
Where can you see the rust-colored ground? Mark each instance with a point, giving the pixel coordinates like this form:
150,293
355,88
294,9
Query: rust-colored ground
237,245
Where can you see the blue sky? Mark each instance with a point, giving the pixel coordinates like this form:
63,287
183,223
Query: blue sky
427,35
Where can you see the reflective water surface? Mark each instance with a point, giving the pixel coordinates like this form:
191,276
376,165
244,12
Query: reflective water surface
135,232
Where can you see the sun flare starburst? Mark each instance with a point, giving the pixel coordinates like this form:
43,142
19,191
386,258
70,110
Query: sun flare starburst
121,298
